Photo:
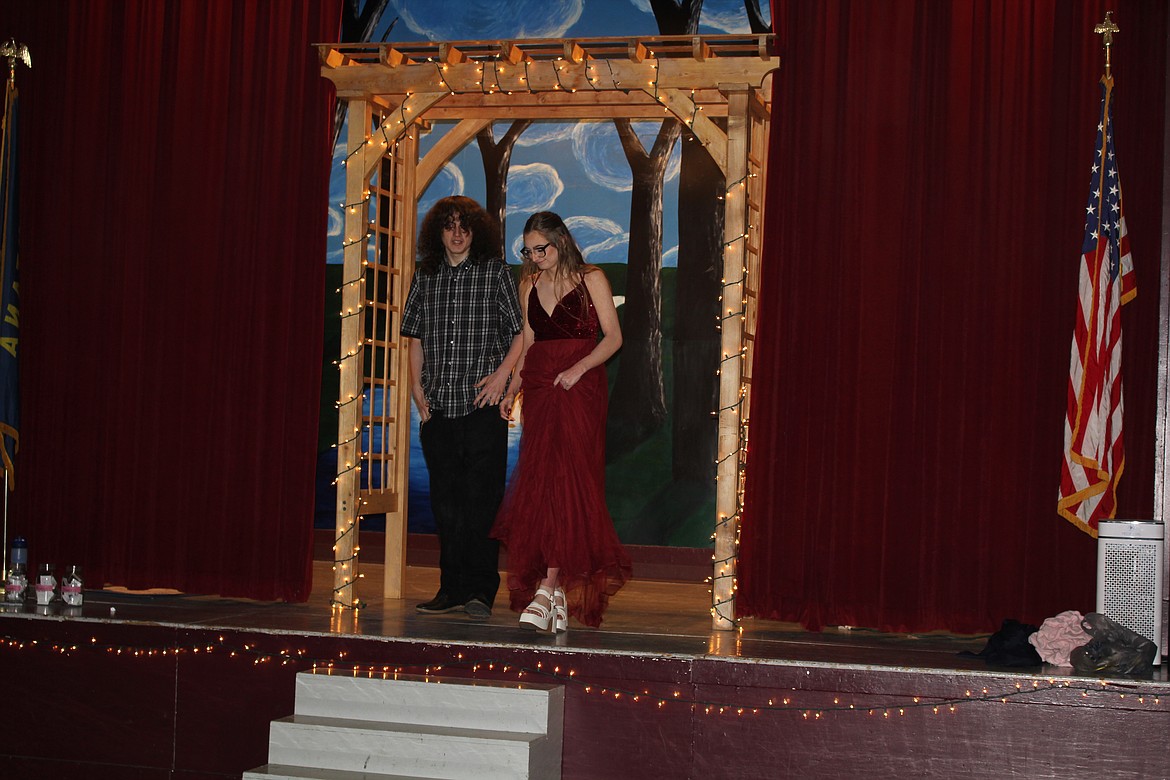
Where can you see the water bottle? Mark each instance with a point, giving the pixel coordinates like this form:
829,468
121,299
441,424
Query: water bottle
46,586
16,584
19,554
71,587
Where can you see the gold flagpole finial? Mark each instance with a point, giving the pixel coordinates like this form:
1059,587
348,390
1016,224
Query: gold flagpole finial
15,51
1106,30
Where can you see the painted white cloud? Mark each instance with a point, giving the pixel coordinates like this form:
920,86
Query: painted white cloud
541,132
333,234
601,240
517,245
335,222
487,20
532,188
448,181
334,253
336,190
670,257
599,150
727,16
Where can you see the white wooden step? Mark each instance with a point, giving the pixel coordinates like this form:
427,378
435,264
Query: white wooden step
384,748
475,704
283,772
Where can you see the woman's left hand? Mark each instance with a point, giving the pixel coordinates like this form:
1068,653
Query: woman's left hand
507,405
569,377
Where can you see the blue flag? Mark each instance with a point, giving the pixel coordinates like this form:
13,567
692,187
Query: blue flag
10,291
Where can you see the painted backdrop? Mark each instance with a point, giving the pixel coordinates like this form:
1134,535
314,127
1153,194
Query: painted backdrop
661,442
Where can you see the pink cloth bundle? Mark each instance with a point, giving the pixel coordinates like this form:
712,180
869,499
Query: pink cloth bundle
1059,636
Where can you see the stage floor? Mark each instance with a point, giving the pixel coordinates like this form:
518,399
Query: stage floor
647,617
666,694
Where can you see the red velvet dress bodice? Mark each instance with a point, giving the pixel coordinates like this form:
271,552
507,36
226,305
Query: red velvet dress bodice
573,317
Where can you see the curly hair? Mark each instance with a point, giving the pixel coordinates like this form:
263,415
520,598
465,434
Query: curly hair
485,234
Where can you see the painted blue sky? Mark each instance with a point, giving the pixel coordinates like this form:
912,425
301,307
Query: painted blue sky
577,169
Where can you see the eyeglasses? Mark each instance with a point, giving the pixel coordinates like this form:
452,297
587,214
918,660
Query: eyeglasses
452,225
537,251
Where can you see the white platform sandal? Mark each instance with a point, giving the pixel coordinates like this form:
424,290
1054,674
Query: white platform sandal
537,616
560,612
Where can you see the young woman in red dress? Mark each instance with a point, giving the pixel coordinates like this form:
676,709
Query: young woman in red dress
564,557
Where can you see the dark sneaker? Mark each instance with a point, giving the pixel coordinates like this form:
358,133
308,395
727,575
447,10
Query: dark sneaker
477,608
439,605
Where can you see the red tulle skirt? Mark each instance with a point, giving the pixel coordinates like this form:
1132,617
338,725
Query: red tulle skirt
554,513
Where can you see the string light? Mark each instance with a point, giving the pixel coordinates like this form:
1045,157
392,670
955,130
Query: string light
496,74
613,78
557,75
1148,695
442,81
369,232
591,80
724,583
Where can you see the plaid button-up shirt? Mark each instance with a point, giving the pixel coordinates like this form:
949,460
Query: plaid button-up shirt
466,317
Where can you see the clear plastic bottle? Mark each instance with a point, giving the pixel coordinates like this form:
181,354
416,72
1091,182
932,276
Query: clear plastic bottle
46,586
71,587
16,583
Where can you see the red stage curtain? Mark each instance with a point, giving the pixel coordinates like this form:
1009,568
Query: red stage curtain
176,162
928,172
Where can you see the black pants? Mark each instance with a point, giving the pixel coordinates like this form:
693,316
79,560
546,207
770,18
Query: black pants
467,458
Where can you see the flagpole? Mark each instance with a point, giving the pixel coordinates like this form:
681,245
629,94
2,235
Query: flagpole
1162,420
9,86
14,52
4,548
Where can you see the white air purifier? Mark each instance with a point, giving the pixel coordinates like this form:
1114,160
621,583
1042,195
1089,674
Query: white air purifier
1129,576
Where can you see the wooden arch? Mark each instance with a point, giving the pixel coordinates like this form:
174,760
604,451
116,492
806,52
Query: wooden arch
715,85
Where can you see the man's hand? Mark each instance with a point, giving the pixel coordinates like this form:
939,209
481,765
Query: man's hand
491,389
420,402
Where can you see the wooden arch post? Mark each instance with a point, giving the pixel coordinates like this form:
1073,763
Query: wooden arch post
349,401
731,306
715,85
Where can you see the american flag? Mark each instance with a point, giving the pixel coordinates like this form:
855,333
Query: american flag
1094,457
